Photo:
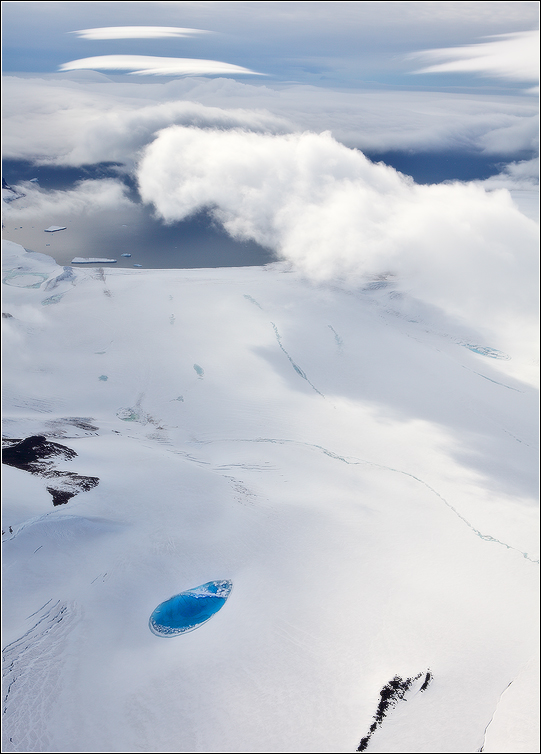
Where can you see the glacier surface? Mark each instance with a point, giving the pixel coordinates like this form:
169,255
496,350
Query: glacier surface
366,482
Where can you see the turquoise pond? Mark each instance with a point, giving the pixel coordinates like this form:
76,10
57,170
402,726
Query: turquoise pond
492,353
190,609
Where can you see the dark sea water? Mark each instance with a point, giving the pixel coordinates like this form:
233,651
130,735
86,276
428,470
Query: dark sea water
195,242
450,165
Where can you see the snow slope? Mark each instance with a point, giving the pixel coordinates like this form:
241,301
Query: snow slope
365,480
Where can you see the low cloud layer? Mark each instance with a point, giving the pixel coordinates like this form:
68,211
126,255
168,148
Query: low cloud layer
76,123
337,216
137,32
147,65
509,56
88,197
517,175
83,117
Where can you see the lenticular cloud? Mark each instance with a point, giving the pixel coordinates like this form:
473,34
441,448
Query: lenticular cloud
137,32
510,56
337,216
147,65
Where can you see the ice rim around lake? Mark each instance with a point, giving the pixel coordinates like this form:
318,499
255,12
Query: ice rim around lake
190,609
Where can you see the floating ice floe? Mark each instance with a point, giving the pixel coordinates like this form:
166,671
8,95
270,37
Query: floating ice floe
190,609
137,265
54,228
125,255
91,260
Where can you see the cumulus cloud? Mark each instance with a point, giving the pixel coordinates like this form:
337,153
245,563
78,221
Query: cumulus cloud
147,65
509,56
137,32
337,216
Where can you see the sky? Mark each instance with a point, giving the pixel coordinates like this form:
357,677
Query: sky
344,44
376,68
261,114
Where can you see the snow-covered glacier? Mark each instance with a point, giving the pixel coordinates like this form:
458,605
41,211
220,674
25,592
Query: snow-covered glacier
360,467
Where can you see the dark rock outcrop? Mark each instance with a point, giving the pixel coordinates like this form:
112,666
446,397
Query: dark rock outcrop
38,456
390,694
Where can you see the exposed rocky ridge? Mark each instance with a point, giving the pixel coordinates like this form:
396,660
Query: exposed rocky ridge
38,456
390,694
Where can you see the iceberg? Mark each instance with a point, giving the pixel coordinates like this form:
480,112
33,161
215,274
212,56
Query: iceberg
54,228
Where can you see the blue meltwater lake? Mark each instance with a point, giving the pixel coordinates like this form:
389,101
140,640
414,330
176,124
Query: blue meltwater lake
190,609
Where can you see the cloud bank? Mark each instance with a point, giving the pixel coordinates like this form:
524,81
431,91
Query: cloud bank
510,56
72,123
137,32
147,65
75,122
339,217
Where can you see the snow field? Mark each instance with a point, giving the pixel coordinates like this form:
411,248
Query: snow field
376,516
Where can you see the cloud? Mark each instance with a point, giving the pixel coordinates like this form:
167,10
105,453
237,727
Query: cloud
147,65
338,217
137,32
521,179
519,175
511,56
66,122
88,197
73,123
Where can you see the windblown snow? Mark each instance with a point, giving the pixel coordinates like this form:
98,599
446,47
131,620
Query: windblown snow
358,465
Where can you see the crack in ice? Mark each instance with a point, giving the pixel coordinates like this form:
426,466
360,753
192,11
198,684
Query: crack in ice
492,718
352,461
295,366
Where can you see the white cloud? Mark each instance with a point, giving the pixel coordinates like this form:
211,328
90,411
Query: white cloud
137,32
510,56
67,122
521,179
147,65
87,197
73,123
337,216
519,175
